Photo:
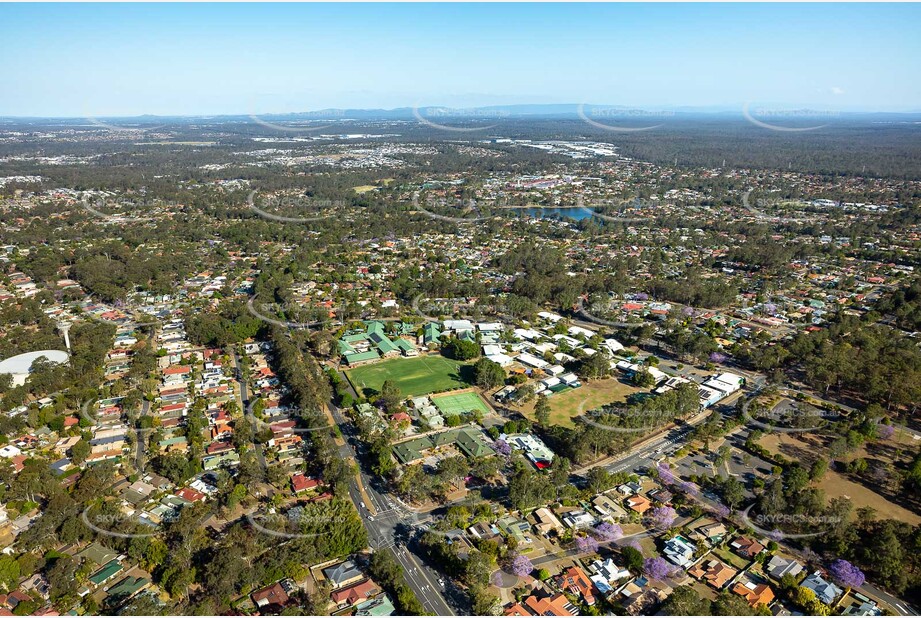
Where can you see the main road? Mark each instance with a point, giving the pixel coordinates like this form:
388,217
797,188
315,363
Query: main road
382,525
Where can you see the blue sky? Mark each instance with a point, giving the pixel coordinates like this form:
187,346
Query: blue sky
121,59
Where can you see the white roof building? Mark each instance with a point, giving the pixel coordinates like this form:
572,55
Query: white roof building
458,325
533,361
575,331
613,345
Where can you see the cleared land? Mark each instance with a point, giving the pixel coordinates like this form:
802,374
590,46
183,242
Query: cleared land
569,404
834,485
413,376
807,447
458,403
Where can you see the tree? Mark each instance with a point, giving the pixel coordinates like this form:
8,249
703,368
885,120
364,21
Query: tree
686,601
818,469
662,517
520,566
607,531
643,379
846,574
80,451
596,366
461,349
633,558
488,374
656,568
542,411
586,544
390,394
9,572
730,604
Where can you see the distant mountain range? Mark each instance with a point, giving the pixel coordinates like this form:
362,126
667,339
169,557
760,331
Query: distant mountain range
493,112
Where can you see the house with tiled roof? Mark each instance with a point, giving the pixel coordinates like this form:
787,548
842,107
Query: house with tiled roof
301,483
713,572
274,595
354,594
746,547
556,605
755,594
640,504
577,582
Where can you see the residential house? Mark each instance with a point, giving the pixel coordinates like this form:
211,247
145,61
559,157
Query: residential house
343,574
824,590
755,593
577,582
680,551
746,547
274,595
354,594
556,605
713,572
779,566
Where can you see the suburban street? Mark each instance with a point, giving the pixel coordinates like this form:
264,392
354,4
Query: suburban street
382,527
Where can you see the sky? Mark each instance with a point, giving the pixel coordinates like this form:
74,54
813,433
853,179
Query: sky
94,60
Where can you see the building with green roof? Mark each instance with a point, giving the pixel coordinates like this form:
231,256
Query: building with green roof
472,443
217,461
431,334
128,587
98,553
469,441
380,606
110,570
362,357
384,345
373,343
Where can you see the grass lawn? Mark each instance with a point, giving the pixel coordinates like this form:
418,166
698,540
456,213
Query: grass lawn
457,403
414,376
736,562
565,406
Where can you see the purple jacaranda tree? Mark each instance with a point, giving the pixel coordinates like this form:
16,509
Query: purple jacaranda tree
656,568
496,579
502,447
586,544
665,473
687,311
885,431
689,488
607,531
770,308
717,357
721,510
635,544
520,565
641,296
662,517
846,574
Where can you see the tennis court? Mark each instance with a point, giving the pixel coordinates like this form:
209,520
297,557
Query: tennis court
458,403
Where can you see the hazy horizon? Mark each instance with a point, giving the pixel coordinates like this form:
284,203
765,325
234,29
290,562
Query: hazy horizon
114,60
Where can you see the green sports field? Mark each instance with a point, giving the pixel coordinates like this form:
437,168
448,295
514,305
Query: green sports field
456,403
414,376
